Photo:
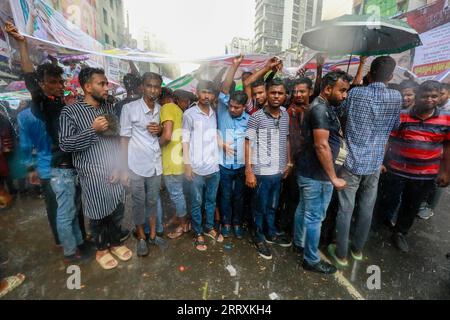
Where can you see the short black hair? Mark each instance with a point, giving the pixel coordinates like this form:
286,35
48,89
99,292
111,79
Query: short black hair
166,93
48,69
206,84
302,80
182,95
258,83
408,84
240,97
382,69
152,76
331,78
445,86
87,73
131,82
430,85
275,83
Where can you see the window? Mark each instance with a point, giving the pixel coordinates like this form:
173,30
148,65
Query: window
105,16
113,26
106,38
114,44
111,4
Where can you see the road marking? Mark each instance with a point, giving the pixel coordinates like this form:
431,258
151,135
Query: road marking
343,281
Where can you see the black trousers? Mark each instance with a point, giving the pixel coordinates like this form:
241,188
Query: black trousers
107,231
412,193
51,206
288,204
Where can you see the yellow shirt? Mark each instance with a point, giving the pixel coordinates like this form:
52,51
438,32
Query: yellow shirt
172,153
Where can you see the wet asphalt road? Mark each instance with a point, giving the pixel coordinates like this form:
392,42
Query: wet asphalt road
422,274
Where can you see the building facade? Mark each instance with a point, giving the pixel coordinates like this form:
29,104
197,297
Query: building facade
387,8
103,20
279,24
239,45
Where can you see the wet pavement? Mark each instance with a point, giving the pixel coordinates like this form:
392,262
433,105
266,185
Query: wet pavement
181,272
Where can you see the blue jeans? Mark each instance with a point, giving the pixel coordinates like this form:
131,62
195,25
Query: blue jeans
315,196
210,183
174,185
231,201
265,204
63,183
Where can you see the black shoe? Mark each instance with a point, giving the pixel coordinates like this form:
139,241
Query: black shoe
124,235
320,267
279,240
87,248
400,242
263,251
298,250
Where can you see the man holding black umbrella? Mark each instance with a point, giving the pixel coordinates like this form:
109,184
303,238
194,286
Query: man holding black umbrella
371,114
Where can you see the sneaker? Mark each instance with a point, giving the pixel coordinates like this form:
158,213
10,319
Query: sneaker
158,241
73,259
320,267
425,213
142,248
298,250
238,232
263,251
134,232
356,255
340,263
279,240
400,242
226,230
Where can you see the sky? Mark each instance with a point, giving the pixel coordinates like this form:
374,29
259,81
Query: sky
193,28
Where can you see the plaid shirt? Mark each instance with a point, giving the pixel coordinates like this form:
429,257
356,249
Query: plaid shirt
372,112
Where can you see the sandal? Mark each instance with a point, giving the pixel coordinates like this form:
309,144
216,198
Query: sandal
105,261
122,253
213,234
178,232
200,245
187,227
12,283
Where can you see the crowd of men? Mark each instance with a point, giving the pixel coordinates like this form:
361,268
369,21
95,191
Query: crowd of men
278,149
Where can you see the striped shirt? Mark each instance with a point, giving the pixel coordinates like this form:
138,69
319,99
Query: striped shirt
268,138
95,158
416,148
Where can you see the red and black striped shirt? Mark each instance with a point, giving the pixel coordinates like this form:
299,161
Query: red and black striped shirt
416,147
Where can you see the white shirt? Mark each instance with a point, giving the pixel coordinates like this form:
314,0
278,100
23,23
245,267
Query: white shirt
144,152
200,131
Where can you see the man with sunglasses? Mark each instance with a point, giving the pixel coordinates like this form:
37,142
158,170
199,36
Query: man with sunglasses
267,162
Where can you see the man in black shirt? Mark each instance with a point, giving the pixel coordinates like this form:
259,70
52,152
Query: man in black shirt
316,175
46,86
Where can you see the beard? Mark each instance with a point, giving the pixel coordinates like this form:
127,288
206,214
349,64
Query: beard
98,98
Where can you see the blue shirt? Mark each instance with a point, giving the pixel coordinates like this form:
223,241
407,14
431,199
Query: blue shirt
372,112
33,135
232,131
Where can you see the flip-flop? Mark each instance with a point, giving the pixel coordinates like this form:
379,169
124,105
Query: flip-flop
178,232
217,237
199,243
103,261
12,283
120,252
